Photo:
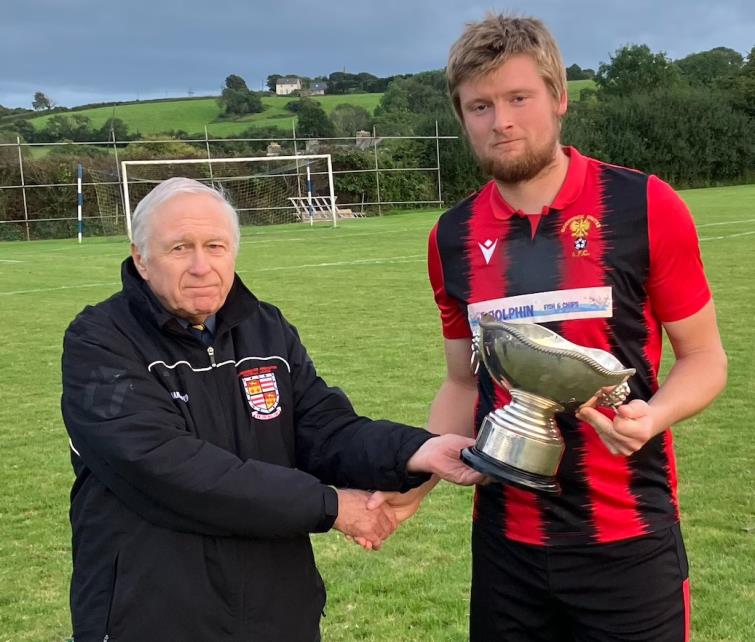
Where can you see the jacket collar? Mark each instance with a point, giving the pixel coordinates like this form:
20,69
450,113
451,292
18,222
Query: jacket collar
239,305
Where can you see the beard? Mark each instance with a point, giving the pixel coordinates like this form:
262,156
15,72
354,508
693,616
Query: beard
523,167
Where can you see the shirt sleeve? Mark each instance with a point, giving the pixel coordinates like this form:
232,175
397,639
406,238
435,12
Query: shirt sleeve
452,314
676,283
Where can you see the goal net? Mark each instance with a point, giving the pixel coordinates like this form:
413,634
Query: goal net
264,190
109,200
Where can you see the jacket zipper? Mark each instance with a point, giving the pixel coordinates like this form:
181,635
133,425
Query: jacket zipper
211,352
112,598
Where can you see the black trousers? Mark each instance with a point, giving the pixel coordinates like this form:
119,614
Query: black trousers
629,591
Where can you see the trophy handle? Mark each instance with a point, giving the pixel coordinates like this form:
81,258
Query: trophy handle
474,357
615,397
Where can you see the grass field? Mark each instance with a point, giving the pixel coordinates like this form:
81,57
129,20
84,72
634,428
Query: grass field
191,115
360,298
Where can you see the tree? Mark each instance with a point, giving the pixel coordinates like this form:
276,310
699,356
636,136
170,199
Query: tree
410,99
421,93
708,68
635,69
313,122
460,173
395,99
114,127
349,119
237,83
295,106
74,128
25,130
41,101
743,86
160,149
689,136
340,82
574,72
237,99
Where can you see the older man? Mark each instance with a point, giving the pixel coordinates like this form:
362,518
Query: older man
205,446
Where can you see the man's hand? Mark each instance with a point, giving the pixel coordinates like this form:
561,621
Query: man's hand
368,527
441,456
632,427
403,505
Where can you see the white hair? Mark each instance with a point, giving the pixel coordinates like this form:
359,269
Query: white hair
145,210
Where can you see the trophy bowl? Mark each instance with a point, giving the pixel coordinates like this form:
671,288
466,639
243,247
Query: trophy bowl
544,374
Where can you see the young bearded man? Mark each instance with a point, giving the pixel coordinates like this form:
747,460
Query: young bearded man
604,559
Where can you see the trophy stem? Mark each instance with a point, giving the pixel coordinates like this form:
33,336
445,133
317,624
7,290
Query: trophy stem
520,443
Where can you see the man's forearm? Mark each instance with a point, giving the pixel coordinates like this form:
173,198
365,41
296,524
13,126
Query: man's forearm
452,410
692,384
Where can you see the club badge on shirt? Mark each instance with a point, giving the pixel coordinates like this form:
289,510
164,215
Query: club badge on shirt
580,227
261,389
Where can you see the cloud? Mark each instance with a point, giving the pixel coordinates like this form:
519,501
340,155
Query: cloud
85,51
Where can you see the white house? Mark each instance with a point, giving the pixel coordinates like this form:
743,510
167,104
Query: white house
287,85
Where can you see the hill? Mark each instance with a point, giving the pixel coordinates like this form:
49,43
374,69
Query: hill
193,114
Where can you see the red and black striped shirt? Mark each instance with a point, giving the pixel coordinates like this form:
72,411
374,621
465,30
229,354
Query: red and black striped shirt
612,234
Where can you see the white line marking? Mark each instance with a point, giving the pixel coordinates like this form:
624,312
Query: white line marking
9,261
728,236
346,236
60,287
748,220
396,259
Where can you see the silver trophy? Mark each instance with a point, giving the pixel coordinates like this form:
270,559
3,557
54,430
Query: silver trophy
545,374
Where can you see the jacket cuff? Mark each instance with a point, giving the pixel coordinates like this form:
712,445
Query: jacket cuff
329,510
412,480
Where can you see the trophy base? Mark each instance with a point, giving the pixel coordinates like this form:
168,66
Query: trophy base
508,474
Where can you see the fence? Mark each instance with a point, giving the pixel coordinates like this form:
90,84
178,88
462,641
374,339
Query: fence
39,185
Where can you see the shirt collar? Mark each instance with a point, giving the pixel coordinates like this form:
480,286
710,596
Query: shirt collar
209,323
569,192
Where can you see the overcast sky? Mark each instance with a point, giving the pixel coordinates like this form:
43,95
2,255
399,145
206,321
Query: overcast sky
82,51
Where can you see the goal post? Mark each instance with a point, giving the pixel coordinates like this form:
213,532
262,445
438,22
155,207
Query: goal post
264,190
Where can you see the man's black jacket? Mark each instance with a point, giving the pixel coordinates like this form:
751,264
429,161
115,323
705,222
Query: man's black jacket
200,471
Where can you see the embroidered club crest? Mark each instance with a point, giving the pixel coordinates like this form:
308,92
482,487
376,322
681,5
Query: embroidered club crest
580,227
261,388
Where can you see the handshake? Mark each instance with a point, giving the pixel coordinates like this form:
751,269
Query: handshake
370,518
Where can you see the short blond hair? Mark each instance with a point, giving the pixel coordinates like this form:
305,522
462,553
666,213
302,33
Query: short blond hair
486,45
